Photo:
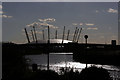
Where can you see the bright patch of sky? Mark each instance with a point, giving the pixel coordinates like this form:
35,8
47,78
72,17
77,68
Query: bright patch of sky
99,20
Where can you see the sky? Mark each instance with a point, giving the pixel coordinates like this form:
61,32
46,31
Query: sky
99,20
59,0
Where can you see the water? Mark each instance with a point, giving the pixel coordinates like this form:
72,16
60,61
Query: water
63,60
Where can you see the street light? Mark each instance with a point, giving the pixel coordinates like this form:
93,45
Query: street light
86,36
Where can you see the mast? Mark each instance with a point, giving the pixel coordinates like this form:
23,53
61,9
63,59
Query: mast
27,35
35,33
56,34
48,34
79,35
74,34
48,48
63,34
43,34
68,34
32,35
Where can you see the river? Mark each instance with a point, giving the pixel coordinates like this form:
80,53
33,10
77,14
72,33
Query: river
60,60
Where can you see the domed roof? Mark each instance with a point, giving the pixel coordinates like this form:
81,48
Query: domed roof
51,41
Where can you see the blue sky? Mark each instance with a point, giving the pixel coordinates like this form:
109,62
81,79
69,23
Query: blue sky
99,20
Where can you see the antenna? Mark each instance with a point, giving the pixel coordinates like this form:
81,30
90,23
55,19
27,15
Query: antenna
27,35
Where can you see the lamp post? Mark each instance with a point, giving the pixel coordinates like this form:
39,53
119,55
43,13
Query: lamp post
48,48
86,36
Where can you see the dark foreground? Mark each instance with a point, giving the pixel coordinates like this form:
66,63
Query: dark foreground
92,73
15,68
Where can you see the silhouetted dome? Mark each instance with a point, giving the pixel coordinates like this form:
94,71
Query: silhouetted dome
52,41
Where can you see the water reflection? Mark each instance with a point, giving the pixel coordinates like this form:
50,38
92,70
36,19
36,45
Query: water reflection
65,60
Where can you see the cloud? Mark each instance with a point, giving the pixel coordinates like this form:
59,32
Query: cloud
43,25
89,24
6,16
47,20
0,6
39,32
32,24
97,11
92,28
52,26
2,15
110,10
46,25
81,24
1,12
75,24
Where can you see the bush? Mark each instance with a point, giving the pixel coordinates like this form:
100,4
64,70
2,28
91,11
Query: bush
94,73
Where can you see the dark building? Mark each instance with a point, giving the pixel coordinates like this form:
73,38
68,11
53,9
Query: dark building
113,42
